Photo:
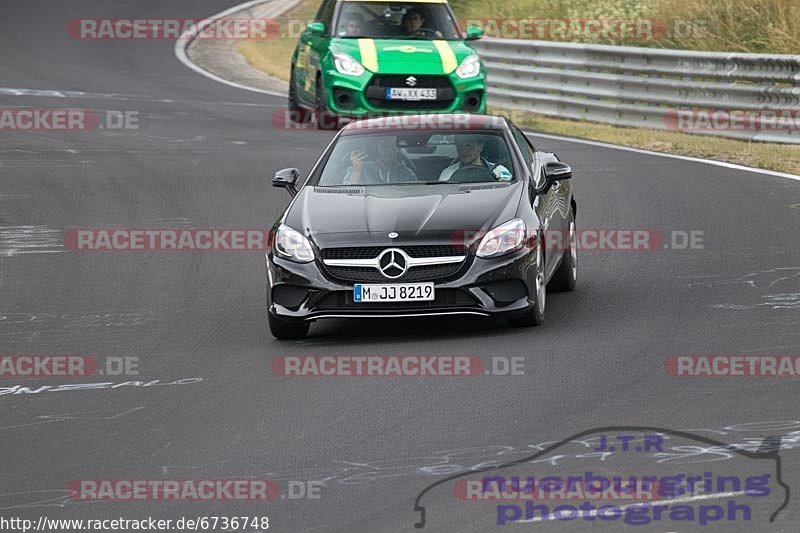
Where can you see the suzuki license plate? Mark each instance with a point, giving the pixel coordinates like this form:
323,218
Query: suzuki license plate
410,95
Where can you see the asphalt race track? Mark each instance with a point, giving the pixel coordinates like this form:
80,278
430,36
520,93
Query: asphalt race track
202,158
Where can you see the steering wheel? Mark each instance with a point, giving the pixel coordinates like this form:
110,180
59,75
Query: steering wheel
425,32
472,174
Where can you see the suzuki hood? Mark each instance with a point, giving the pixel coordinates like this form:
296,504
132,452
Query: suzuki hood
405,56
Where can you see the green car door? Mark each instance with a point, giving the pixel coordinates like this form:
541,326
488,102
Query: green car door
313,43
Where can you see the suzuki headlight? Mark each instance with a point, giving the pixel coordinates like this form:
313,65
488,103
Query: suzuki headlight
503,239
292,245
347,65
470,67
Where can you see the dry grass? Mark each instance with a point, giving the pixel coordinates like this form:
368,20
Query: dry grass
762,26
274,56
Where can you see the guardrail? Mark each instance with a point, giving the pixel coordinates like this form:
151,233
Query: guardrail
698,92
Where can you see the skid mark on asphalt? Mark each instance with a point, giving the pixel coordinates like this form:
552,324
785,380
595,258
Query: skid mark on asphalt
439,463
35,498
39,163
77,320
455,461
49,93
773,301
181,222
16,390
18,240
788,277
50,419
761,278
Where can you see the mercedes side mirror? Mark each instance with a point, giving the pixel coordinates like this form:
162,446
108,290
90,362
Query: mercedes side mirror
553,172
286,178
557,171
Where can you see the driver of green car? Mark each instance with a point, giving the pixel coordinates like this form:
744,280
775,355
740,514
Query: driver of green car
414,25
470,154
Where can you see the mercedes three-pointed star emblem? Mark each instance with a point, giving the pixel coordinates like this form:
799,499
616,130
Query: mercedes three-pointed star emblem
393,263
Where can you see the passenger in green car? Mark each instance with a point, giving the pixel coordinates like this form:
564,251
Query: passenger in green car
353,26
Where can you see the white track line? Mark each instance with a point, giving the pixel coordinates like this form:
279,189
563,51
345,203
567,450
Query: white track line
183,42
687,499
723,164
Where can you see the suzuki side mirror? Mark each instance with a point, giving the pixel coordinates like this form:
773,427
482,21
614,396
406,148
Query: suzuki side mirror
315,28
474,33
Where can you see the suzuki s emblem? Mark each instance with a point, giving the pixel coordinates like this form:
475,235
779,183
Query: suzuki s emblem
393,235
411,81
393,263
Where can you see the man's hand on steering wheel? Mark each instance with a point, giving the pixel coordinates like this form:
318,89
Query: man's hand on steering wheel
426,32
472,173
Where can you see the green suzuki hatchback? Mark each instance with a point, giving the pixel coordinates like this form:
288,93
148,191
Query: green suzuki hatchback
362,58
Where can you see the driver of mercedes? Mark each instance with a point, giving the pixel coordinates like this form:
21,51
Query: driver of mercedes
470,154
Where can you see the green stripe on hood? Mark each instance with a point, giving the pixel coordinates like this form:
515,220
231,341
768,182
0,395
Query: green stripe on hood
404,56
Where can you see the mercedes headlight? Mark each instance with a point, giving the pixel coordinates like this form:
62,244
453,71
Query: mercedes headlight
503,239
293,245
